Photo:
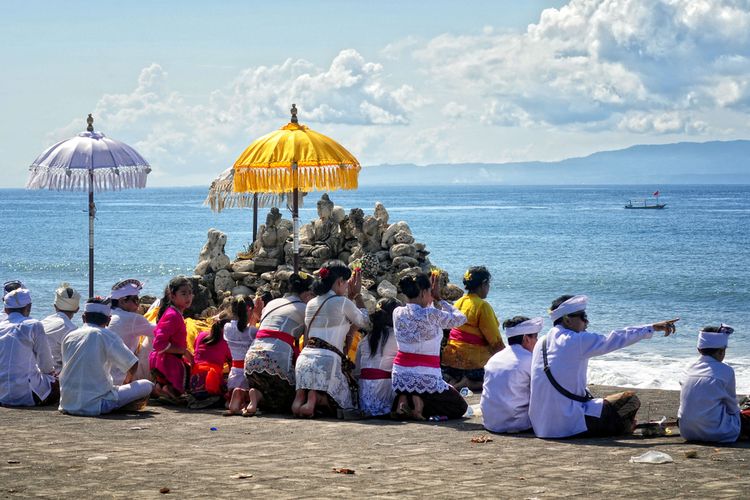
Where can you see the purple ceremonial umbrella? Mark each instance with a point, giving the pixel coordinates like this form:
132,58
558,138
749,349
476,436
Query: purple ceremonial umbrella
89,162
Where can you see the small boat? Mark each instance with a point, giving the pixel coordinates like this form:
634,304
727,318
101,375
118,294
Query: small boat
644,204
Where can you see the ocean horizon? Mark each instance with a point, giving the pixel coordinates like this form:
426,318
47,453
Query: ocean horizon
689,260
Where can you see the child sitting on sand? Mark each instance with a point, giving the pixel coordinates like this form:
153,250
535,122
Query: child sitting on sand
708,401
375,355
208,383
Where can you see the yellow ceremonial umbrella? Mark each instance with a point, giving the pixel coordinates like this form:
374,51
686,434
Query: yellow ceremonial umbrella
295,158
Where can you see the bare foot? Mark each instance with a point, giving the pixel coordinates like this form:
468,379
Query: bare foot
299,399
416,414
255,397
308,409
237,402
402,407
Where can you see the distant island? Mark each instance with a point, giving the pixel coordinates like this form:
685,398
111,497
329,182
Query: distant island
715,162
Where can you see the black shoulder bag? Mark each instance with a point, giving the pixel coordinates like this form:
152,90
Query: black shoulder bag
562,390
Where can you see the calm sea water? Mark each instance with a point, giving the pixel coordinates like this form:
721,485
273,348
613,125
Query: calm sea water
691,260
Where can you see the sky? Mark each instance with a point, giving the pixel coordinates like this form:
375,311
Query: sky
191,84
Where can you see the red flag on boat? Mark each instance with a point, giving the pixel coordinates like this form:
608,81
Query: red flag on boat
656,193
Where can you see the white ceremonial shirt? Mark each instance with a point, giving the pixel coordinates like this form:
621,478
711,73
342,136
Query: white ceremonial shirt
552,414
506,390
89,354
130,327
57,326
25,361
708,402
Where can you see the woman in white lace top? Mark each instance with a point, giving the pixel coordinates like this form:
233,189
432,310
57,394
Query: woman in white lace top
419,325
323,372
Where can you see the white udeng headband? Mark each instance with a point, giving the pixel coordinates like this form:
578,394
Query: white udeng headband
528,327
95,307
715,340
125,291
570,306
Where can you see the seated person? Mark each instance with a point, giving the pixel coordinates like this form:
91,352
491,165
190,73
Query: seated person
26,365
208,383
133,328
708,401
507,378
58,325
560,404
89,353
472,344
416,376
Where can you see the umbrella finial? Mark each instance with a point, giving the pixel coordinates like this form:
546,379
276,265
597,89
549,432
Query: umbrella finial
294,113
90,121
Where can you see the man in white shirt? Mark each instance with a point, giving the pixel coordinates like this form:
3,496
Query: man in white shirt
560,404
708,399
58,325
26,366
507,378
89,353
135,331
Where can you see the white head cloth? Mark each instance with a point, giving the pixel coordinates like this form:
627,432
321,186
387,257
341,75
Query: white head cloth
528,327
126,289
95,307
570,306
18,298
715,340
66,301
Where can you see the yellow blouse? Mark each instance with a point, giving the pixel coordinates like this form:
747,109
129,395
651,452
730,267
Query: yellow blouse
480,321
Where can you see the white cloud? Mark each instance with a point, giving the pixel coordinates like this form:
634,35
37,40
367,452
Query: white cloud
669,122
592,62
190,139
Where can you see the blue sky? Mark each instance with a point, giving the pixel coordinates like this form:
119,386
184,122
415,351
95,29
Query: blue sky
190,84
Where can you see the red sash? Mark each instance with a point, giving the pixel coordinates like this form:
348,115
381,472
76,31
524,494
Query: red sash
238,363
468,338
282,336
411,360
373,374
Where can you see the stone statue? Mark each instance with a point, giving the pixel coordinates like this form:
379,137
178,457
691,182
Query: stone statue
271,238
212,257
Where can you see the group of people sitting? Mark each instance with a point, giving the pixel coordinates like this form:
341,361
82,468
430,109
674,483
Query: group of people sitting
317,351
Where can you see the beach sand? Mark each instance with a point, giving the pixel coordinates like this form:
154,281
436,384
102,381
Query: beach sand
49,455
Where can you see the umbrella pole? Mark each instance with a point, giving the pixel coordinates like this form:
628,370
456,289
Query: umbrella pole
255,216
92,214
295,220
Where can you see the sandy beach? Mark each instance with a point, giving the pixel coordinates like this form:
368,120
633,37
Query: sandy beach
50,455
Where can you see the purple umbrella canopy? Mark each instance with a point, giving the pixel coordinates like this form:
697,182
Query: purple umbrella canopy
89,162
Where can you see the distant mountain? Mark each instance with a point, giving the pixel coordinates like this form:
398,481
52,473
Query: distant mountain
716,162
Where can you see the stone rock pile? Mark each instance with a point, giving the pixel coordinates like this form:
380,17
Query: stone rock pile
385,251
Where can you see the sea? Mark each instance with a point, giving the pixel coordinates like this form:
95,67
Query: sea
689,261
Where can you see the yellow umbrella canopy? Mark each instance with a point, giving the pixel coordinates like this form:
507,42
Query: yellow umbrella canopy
295,158
268,164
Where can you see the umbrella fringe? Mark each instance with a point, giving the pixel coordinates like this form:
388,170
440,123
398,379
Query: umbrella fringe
77,179
219,200
280,180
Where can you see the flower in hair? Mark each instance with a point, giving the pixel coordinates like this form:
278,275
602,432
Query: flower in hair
323,272
467,275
